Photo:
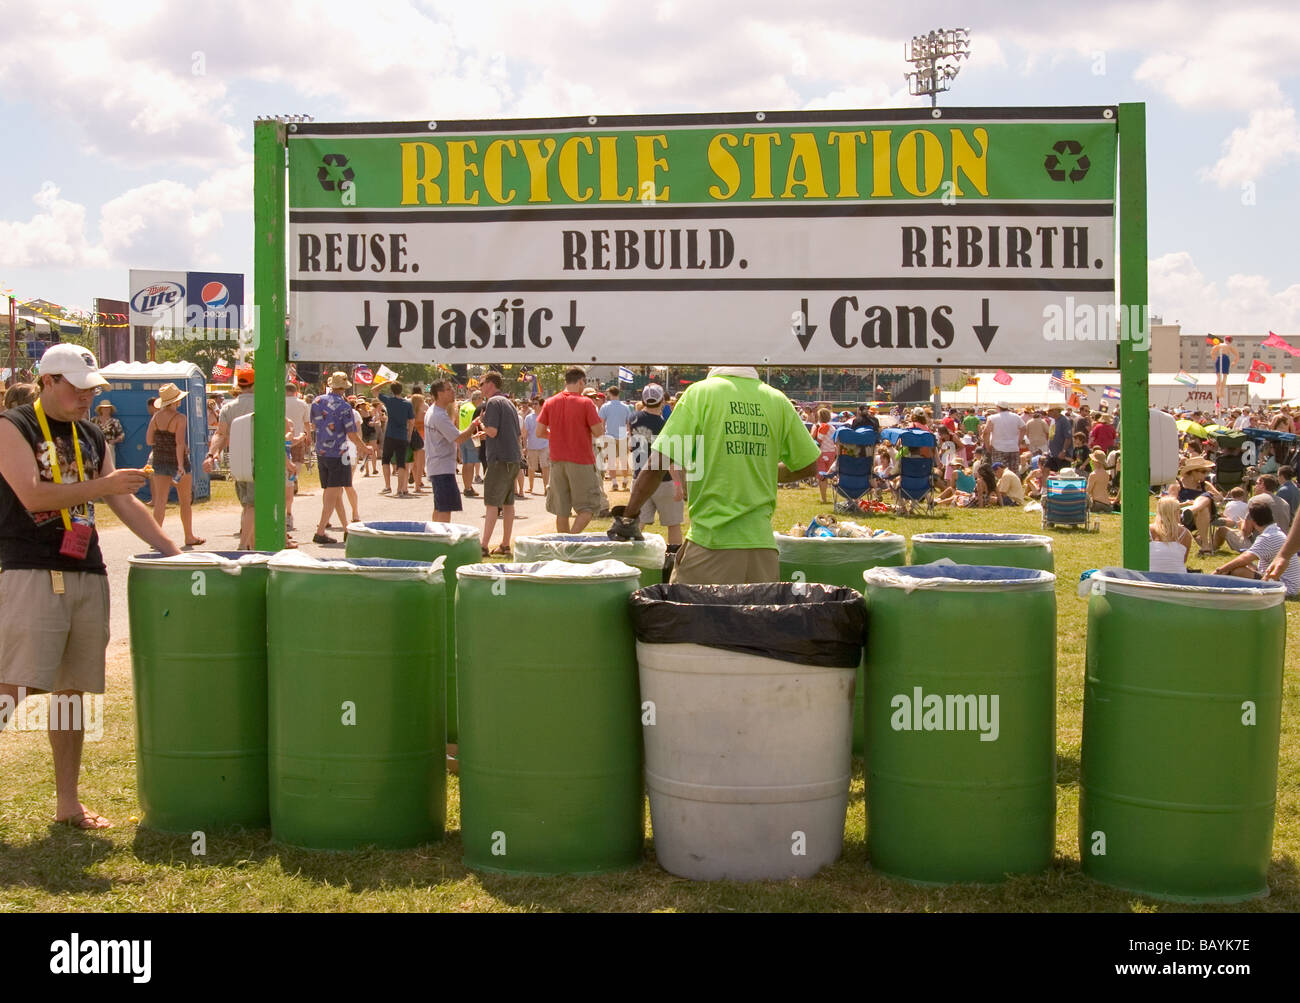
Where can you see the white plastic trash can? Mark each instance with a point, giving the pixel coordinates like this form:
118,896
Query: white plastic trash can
747,711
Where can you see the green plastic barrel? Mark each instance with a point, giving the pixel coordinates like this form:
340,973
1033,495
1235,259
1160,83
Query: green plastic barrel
424,541
961,702
198,659
550,762
835,560
357,712
1181,728
647,555
1004,550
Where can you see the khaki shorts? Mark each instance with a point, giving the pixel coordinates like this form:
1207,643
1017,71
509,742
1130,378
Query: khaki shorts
574,487
53,642
244,491
612,453
539,460
662,502
499,483
698,565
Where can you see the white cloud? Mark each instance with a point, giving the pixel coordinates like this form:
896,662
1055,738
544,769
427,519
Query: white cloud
1247,304
77,68
1272,137
162,223
54,237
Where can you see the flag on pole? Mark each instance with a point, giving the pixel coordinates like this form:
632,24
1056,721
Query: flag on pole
221,371
1109,394
1185,378
363,375
1260,366
1058,382
386,374
1275,341
1003,378
1254,376
625,375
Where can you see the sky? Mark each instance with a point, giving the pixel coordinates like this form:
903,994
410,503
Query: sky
128,125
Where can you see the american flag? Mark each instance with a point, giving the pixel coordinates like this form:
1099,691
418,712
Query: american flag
1059,383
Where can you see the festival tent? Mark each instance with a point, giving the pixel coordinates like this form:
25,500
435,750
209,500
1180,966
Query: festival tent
1165,390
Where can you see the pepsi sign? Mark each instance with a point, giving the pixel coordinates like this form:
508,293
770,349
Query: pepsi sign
214,304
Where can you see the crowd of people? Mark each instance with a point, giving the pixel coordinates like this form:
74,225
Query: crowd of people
1231,492
573,448
1237,495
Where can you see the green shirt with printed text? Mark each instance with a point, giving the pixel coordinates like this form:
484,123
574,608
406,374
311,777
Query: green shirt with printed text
728,433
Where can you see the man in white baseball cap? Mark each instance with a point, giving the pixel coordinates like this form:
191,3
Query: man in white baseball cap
73,363
54,463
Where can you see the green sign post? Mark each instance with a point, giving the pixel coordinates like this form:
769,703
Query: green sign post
1134,375
270,297
900,237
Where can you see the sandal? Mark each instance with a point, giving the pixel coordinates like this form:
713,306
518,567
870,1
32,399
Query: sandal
501,551
486,552
86,820
196,543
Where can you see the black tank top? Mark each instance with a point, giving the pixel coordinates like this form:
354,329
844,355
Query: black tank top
31,540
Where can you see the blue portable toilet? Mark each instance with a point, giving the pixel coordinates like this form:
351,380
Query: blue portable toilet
131,386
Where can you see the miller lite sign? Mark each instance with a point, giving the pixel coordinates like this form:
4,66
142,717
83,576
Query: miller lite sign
157,299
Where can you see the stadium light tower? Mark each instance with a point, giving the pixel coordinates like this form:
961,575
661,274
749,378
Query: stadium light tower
937,58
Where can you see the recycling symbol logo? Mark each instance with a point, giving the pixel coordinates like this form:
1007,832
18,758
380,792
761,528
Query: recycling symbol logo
334,172
1062,152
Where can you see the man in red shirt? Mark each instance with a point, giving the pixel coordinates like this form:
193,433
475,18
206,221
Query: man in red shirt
569,421
1103,434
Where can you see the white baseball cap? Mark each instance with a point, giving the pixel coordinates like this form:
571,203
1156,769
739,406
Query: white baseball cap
73,363
652,393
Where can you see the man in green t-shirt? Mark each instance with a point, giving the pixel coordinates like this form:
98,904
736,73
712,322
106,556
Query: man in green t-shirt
469,449
735,438
971,423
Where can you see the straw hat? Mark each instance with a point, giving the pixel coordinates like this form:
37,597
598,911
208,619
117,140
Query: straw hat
169,394
106,404
1195,463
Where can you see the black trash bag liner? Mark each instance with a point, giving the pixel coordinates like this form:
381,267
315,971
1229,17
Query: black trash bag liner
801,622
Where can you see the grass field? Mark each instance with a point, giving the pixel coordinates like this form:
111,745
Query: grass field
127,868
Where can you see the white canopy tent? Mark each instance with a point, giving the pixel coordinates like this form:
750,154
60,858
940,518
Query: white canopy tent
1030,389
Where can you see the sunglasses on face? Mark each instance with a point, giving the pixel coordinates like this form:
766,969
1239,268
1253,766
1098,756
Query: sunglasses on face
93,391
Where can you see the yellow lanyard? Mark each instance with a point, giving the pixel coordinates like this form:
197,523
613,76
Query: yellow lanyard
54,456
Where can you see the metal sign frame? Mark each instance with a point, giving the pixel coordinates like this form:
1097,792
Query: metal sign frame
271,295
